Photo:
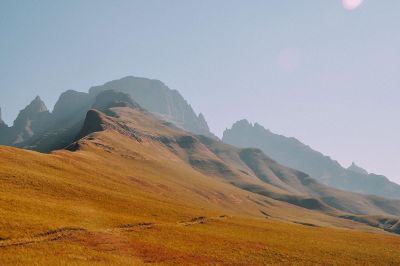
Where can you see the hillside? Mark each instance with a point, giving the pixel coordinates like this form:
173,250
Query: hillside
291,152
135,189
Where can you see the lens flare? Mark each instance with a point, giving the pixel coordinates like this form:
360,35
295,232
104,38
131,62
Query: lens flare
351,4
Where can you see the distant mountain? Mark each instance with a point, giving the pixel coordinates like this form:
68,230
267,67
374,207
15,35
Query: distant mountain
37,129
156,97
29,122
357,169
293,153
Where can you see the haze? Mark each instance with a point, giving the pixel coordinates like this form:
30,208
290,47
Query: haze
315,70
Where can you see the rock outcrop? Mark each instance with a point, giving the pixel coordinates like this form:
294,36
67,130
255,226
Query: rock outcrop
30,121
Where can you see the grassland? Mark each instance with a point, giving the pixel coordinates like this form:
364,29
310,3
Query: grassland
121,202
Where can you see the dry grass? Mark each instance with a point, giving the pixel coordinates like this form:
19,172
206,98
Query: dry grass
120,202
228,241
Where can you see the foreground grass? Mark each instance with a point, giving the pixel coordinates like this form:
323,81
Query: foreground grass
208,241
132,206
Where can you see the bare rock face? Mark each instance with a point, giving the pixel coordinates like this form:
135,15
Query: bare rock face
112,98
30,121
93,123
156,97
71,104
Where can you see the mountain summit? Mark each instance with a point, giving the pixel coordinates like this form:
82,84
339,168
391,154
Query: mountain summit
357,169
156,97
30,121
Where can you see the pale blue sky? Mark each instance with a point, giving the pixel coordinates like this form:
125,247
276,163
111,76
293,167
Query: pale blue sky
309,68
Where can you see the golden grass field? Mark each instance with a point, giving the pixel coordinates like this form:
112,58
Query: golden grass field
120,202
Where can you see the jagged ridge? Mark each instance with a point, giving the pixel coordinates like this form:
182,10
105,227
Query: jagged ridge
293,153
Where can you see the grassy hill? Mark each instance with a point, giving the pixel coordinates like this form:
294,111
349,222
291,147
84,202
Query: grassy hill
133,190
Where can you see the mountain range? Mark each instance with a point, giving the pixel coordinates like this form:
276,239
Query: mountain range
37,129
291,152
131,175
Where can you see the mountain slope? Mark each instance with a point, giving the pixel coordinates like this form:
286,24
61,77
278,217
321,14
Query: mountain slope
82,210
293,153
247,169
135,189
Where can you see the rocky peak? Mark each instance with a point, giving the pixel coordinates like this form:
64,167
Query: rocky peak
156,97
37,105
240,127
35,108
30,120
244,123
357,169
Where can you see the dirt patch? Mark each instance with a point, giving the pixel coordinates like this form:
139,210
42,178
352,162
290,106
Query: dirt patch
306,224
137,226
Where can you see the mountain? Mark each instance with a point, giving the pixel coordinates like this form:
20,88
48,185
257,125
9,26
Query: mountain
293,153
156,97
133,189
248,169
30,121
38,129
357,169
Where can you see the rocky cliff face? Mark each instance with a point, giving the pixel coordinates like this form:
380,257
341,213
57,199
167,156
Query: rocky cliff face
291,152
30,121
71,105
156,97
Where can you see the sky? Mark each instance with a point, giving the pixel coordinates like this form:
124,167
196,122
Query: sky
323,71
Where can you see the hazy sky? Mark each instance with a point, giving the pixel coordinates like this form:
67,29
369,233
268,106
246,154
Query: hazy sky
312,69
